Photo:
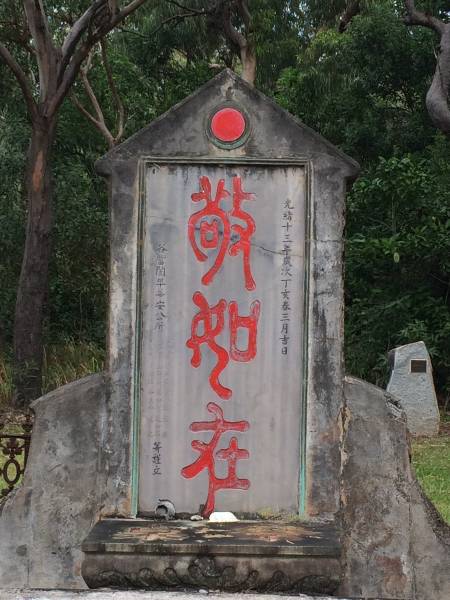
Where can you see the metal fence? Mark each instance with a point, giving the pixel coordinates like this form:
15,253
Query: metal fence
15,438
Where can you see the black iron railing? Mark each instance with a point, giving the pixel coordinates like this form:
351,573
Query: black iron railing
15,438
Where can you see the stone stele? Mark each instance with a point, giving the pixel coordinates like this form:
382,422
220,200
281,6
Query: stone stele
412,383
224,387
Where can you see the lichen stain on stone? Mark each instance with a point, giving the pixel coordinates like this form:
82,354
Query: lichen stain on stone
395,577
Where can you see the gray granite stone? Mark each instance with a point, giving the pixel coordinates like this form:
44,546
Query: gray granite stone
293,408
265,556
395,545
412,383
141,595
293,404
44,521
265,390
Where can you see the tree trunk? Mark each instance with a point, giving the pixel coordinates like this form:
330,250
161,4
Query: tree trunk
437,100
248,59
33,282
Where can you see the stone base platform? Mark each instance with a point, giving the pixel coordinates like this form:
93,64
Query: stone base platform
263,556
144,595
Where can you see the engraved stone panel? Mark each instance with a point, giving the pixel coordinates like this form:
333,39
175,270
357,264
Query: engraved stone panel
222,336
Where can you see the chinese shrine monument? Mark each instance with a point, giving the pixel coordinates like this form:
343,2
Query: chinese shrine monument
225,388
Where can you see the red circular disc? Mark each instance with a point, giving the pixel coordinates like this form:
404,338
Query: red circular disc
228,124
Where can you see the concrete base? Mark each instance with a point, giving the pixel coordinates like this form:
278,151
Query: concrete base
263,556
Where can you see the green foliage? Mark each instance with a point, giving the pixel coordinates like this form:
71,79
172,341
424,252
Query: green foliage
64,362
398,262
13,145
364,90
278,38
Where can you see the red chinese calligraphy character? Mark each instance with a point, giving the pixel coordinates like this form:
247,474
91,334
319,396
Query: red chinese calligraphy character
208,452
250,323
210,232
204,320
245,233
218,226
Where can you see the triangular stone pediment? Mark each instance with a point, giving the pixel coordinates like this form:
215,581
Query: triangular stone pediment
273,132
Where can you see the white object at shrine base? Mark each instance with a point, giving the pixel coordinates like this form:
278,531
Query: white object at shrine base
223,517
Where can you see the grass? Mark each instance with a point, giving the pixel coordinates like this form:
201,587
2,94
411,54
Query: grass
431,460
63,363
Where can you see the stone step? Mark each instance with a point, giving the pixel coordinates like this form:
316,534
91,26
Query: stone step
140,595
264,556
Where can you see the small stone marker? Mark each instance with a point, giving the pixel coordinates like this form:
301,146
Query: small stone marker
412,383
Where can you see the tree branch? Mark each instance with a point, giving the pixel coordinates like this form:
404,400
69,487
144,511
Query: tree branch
417,17
114,92
437,99
21,79
75,54
45,50
113,6
84,110
194,11
123,14
242,41
245,14
38,24
352,9
75,34
99,120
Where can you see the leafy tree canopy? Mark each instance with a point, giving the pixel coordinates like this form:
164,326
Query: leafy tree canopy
363,89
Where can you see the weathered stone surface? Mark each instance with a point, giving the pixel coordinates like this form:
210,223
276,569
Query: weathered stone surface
430,546
228,573
264,389
394,544
412,383
145,595
244,555
44,521
82,466
275,139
